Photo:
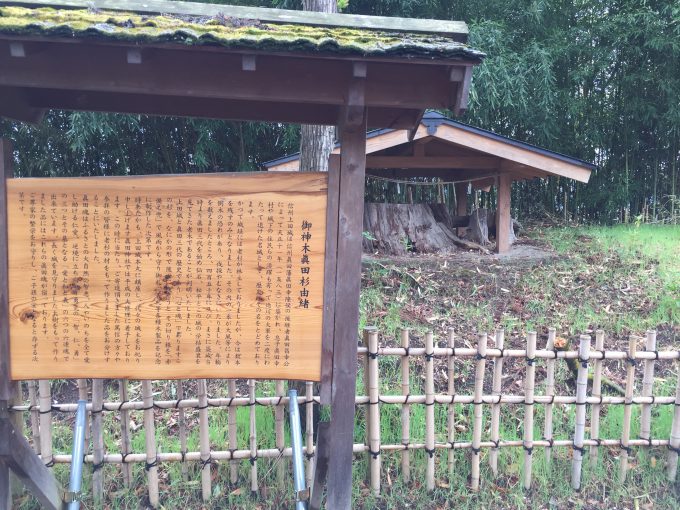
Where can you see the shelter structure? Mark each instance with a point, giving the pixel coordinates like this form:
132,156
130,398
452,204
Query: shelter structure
456,152
218,61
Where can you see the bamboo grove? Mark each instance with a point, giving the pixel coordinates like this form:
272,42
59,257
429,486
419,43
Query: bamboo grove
596,79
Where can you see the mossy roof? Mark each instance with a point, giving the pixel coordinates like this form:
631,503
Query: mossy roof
227,32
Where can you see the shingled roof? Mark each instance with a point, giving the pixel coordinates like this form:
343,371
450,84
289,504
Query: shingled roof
237,28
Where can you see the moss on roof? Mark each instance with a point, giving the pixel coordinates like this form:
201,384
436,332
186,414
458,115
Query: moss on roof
226,32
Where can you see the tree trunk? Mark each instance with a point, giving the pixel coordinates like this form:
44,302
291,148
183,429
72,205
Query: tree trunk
479,226
316,142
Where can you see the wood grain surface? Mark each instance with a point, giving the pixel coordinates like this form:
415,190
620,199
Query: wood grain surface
161,277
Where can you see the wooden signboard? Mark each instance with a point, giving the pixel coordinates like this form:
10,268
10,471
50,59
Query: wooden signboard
157,277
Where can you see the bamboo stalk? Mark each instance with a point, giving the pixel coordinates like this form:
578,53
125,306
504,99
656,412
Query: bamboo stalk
279,431
549,391
478,410
204,439
406,408
647,387
45,396
451,418
125,441
83,395
596,392
496,408
674,445
35,415
253,438
580,427
429,409
150,439
367,413
182,424
309,432
97,442
627,410
374,411
233,442
529,382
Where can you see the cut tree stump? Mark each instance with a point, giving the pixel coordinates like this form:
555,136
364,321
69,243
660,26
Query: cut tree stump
479,226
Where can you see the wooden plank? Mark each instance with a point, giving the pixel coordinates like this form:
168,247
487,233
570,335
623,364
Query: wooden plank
352,131
330,269
447,162
503,219
18,455
456,30
6,171
242,254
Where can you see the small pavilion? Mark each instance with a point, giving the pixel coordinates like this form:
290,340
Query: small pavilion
456,152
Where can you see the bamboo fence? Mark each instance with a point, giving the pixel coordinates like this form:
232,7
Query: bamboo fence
39,407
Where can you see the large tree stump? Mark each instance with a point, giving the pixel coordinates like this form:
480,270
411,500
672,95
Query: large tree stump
479,226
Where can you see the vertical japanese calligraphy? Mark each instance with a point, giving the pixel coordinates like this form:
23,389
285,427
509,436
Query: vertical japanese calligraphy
216,275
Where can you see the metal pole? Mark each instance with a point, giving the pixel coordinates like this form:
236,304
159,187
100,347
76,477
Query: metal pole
76,479
301,494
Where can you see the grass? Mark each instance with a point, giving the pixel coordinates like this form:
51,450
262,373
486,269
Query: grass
623,279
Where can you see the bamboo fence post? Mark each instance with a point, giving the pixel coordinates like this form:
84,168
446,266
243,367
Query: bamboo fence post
204,440
451,418
83,395
529,381
233,436
374,411
182,424
674,445
478,410
97,442
309,431
628,409
597,393
125,442
648,388
367,414
35,415
550,392
496,407
45,396
581,395
279,431
253,437
429,408
150,439
406,408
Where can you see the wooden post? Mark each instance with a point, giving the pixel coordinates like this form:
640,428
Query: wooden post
503,219
233,436
125,440
253,438
374,410
461,203
182,424
674,446
352,131
597,393
451,418
150,438
429,409
98,442
204,440
496,407
478,411
406,408
528,443
549,391
648,388
628,409
279,433
581,395
6,172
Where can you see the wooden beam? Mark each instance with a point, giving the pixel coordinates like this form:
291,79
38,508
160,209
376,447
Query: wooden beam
461,203
444,175
6,172
460,102
14,105
98,67
500,149
18,455
415,162
503,219
352,131
456,30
